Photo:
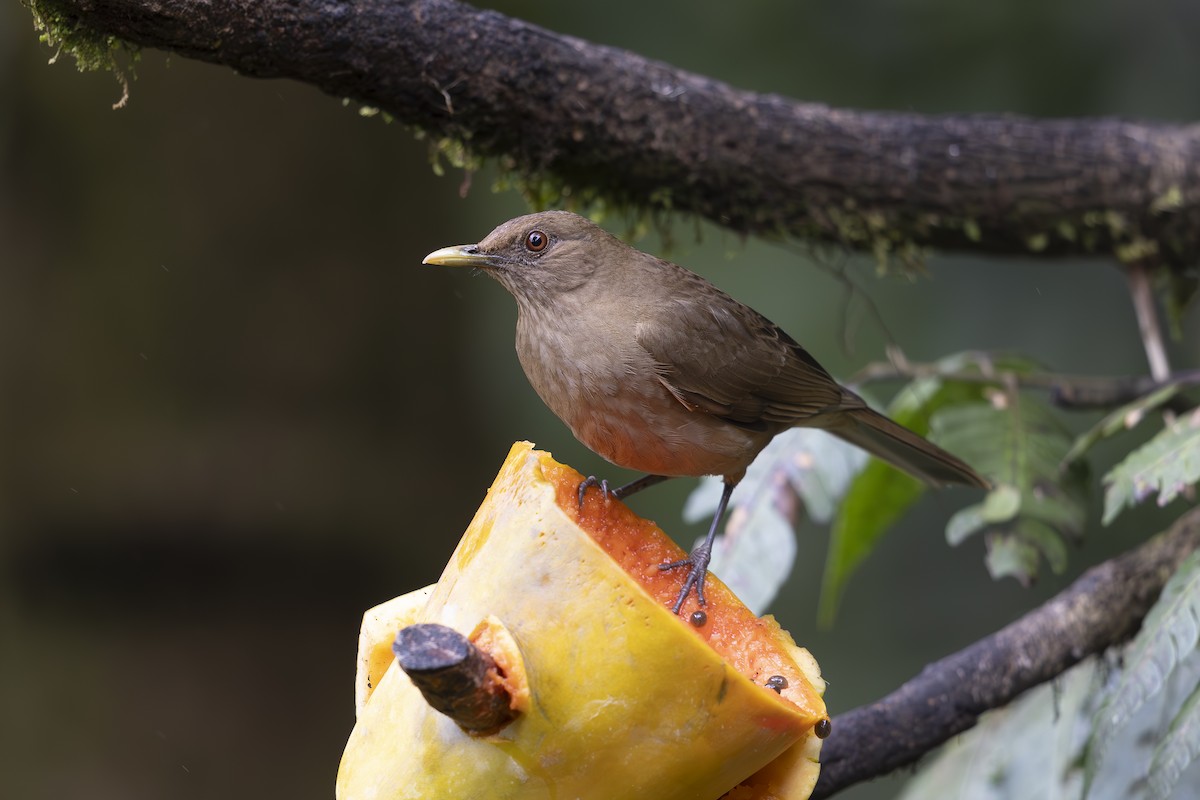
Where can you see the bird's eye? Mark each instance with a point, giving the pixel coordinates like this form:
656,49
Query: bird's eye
536,241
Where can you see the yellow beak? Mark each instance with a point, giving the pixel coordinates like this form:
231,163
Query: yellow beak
462,255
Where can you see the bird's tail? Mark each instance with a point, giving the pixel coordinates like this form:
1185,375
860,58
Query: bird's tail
903,449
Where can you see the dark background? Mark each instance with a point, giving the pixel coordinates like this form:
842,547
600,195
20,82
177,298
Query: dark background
235,411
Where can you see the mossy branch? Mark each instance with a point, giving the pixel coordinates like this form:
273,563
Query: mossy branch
581,123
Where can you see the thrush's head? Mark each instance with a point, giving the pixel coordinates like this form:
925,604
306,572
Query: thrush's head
539,257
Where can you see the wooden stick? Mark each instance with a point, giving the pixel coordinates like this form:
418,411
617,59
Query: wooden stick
455,677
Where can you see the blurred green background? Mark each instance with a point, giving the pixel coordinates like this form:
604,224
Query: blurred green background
235,411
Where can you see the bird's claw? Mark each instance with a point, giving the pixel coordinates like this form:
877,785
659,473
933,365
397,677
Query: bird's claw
698,561
592,481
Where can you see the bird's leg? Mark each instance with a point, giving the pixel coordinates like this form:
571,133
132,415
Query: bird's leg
621,492
699,558
633,487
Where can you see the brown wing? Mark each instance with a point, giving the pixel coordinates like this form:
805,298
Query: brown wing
717,355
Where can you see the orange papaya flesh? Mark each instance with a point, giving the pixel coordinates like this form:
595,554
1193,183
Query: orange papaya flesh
750,644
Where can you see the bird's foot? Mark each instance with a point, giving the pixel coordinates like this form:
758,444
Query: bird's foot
591,481
698,563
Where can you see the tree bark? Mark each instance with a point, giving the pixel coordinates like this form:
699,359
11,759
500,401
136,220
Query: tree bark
1103,608
574,121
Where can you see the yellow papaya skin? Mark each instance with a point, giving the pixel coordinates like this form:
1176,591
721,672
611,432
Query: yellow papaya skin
623,698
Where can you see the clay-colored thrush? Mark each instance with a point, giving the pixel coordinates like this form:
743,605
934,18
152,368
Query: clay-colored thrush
657,370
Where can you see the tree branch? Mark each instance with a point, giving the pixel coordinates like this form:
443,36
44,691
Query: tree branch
561,113
1104,607
1072,392
1142,294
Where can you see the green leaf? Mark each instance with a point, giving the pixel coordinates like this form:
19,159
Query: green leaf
1166,465
1001,504
876,499
755,553
1013,550
964,523
881,493
1177,750
1035,748
1026,750
1010,557
1044,745
1124,418
1046,539
1169,635
1018,442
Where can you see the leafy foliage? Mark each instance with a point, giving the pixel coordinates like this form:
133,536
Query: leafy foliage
1035,748
1167,465
1025,750
1016,440
881,493
1013,438
1075,739
1124,418
1165,647
757,550
1178,750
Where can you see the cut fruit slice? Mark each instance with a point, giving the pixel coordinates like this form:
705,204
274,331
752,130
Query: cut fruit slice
620,698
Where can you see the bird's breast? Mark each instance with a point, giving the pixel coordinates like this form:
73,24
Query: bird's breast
604,386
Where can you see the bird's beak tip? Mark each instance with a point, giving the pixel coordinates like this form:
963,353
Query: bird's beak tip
463,255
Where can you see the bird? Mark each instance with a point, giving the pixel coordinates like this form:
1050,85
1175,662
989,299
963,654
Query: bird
657,370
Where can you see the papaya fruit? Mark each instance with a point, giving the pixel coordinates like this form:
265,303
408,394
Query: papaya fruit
615,696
